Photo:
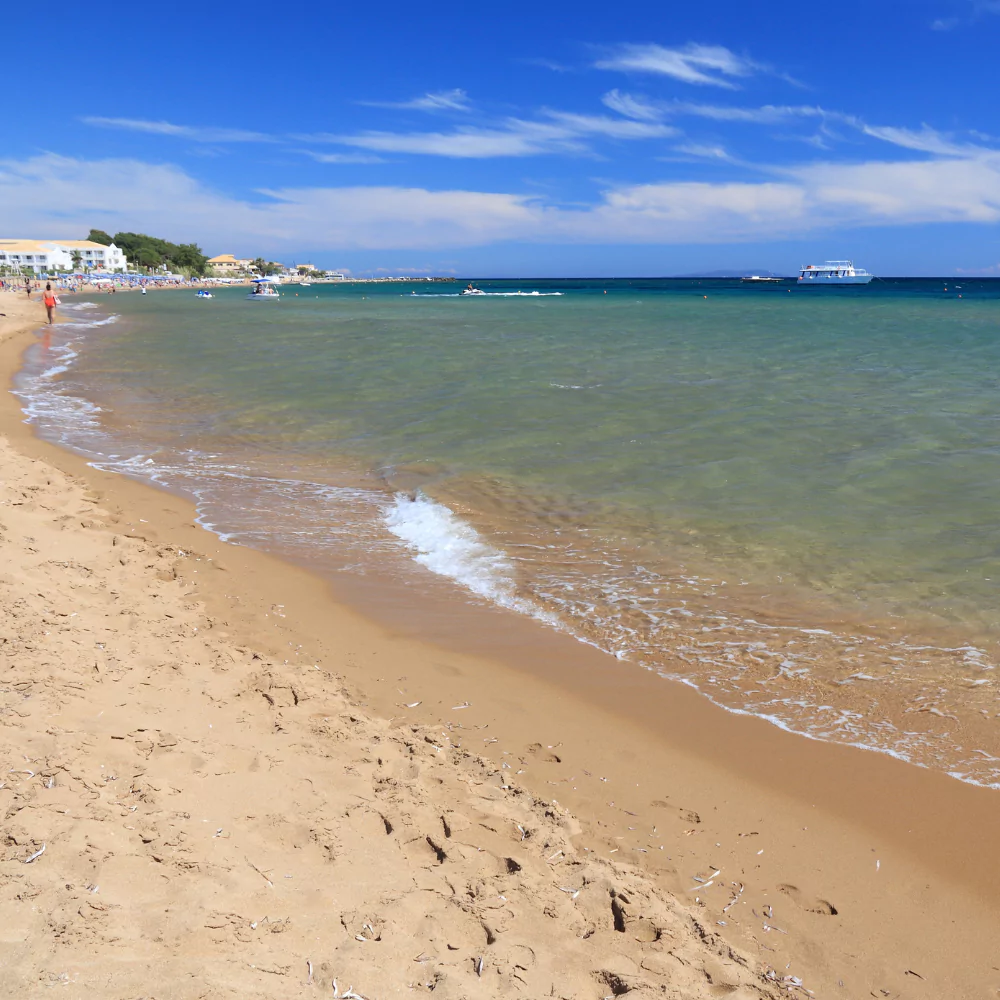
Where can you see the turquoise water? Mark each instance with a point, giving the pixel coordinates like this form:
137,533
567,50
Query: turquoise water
784,496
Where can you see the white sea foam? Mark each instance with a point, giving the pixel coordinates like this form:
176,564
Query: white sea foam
445,544
42,400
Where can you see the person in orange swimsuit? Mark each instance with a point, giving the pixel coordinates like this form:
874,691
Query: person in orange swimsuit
50,301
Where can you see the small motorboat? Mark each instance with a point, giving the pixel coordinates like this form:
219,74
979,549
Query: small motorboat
203,294
472,290
263,291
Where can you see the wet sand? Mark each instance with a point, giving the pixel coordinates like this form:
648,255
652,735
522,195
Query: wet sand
450,833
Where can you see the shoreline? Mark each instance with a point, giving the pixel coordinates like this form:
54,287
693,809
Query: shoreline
737,775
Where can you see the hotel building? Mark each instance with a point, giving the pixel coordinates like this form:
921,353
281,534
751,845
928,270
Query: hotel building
226,263
46,256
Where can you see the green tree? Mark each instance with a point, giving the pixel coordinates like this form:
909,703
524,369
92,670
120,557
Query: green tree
265,267
150,251
100,236
190,257
77,260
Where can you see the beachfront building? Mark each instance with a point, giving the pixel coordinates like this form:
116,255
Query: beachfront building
226,264
334,275
49,256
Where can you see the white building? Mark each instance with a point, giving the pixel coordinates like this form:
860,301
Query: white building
47,256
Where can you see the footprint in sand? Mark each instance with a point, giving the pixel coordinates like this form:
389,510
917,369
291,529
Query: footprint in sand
811,904
685,815
543,754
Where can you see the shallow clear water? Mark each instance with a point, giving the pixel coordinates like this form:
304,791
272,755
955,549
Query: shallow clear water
786,497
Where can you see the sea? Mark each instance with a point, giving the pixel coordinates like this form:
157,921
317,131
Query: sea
783,497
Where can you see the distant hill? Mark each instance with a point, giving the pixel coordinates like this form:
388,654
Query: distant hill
731,274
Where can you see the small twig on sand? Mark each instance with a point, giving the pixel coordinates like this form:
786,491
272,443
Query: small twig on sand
259,872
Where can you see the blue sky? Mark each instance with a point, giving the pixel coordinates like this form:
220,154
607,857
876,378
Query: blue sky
522,139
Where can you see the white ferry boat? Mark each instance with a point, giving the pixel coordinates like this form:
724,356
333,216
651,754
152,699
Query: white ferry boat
834,272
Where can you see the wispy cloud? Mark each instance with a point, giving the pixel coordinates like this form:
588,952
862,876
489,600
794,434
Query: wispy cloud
926,140
342,157
705,151
195,133
986,272
551,64
923,140
523,139
706,65
632,107
615,128
767,114
442,100
974,10
560,132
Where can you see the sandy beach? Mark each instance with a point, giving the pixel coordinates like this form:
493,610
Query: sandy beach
218,779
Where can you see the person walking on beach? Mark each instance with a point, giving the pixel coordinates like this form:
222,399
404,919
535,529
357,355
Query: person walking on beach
49,298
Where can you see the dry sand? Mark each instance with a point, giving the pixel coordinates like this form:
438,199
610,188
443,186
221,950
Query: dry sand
244,789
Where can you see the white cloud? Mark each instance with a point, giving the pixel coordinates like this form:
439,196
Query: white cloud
551,64
946,190
442,100
615,128
631,107
50,196
192,132
58,196
520,139
342,157
768,114
690,212
992,270
705,151
708,65
923,140
927,140
562,132
976,9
